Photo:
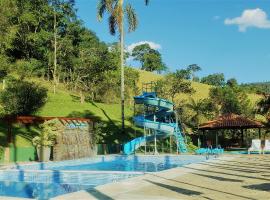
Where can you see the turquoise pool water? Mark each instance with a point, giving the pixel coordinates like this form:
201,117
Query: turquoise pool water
46,180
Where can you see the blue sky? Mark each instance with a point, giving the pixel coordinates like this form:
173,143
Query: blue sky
228,36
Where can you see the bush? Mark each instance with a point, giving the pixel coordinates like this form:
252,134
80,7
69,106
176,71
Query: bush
48,133
190,146
22,97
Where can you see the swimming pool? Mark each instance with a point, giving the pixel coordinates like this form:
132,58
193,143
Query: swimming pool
46,180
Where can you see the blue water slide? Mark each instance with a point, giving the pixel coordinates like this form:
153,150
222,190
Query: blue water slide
156,122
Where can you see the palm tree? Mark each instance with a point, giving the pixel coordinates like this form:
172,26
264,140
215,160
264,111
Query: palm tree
117,12
203,109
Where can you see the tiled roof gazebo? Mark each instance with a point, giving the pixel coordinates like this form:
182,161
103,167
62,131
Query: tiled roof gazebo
231,121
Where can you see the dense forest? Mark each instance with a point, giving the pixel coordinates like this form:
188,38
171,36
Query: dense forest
45,39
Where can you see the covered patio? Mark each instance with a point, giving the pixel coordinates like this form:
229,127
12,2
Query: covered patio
230,122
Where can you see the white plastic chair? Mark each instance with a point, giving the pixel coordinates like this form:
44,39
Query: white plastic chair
255,146
266,146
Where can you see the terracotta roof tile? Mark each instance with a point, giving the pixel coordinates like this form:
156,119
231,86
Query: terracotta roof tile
230,121
36,119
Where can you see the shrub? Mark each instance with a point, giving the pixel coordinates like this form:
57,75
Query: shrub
190,146
22,97
48,133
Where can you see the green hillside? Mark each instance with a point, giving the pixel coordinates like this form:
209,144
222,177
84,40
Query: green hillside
66,103
202,90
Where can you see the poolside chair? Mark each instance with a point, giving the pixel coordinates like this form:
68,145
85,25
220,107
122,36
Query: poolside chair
266,146
255,146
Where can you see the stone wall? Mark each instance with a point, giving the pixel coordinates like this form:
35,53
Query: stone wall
74,142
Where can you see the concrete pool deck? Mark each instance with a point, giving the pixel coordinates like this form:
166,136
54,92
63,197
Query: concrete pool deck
227,177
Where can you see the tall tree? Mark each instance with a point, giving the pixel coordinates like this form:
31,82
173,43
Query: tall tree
216,79
231,100
193,68
202,109
149,58
116,11
172,84
59,8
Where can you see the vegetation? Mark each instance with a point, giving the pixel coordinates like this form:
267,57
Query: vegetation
217,79
48,133
149,58
117,12
45,43
22,98
258,88
231,99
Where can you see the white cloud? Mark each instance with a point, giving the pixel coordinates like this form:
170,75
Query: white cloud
250,18
153,45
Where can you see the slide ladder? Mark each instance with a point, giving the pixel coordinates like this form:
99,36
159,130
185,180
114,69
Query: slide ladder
160,122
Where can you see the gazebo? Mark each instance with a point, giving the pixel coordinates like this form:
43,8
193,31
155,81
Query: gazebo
231,122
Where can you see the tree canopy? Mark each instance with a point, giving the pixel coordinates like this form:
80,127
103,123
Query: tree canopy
216,79
149,58
84,63
231,100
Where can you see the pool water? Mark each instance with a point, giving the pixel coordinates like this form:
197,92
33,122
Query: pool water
47,180
37,190
137,163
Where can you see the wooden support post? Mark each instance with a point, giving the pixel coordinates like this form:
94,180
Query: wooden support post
216,139
242,137
203,140
259,133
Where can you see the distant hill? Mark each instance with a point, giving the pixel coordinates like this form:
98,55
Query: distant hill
202,90
259,87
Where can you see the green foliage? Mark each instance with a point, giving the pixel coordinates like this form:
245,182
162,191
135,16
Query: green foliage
264,106
117,13
189,72
231,100
201,110
190,146
217,79
84,64
232,82
149,58
22,97
100,133
2,153
49,131
172,85
259,88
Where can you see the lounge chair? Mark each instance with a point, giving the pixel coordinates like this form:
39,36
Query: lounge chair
266,146
255,146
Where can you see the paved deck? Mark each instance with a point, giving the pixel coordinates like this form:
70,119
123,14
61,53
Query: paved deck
229,177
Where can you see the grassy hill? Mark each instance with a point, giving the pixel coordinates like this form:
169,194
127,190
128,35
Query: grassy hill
65,103
202,90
